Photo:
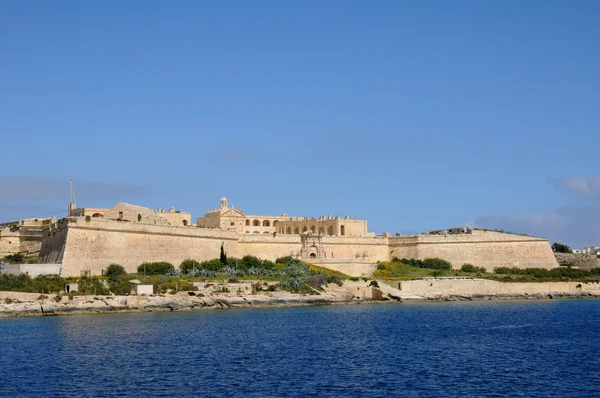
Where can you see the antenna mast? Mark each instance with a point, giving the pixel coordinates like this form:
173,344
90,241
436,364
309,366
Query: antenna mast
72,204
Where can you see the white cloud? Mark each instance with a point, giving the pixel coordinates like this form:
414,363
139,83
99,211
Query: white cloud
576,227
579,185
33,188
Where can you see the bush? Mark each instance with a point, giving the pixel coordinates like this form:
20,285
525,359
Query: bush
188,265
430,263
114,271
468,268
156,268
595,271
16,258
212,265
317,280
381,266
374,284
396,260
436,263
335,279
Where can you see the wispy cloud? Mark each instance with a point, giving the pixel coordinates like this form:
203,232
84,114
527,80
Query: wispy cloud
576,227
34,188
579,185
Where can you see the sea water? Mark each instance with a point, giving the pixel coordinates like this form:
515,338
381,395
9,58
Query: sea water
542,348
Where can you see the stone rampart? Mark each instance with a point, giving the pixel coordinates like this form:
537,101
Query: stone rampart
487,249
91,244
449,286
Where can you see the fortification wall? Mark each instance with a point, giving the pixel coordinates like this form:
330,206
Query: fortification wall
482,249
95,244
349,247
91,245
269,247
441,286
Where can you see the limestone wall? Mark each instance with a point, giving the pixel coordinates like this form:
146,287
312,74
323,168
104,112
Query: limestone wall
269,247
349,267
32,269
482,249
448,286
93,245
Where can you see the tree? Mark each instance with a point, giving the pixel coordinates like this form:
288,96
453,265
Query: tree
114,271
223,256
560,248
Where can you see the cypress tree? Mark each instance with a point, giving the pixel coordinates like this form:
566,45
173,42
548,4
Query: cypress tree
223,256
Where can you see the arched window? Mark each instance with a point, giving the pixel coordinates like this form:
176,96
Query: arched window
321,231
304,229
289,230
121,215
266,223
296,230
185,223
248,222
330,231
232,223
98,215
343,230
313,228
256,232
256,223
266,232
275,223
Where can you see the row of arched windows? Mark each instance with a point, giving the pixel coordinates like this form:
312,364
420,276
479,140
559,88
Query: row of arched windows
265,223
321,231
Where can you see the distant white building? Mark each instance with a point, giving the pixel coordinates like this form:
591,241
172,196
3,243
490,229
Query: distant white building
592,250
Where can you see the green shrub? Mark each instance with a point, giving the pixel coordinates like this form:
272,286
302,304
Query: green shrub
381,266
595,271
188,265
16,258
396,260
212,265
374,284
114,271
317,280
468,268
156,268
335,279
482,270
430,263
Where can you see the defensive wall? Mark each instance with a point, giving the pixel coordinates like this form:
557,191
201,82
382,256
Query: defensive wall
89,245
462,286
480,248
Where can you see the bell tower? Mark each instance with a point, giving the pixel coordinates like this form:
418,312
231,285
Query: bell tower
224,203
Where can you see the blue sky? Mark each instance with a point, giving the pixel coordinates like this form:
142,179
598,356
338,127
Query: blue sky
414,115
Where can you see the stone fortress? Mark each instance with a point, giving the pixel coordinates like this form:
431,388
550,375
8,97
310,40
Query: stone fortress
90,239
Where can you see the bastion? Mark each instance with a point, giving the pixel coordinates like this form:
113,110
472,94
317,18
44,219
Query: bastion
89,240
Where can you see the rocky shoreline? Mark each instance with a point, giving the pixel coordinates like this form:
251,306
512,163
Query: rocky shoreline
184,301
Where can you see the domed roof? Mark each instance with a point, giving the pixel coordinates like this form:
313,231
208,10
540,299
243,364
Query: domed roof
223,199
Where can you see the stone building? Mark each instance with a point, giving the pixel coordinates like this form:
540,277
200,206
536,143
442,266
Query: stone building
232,219
23,236
133,213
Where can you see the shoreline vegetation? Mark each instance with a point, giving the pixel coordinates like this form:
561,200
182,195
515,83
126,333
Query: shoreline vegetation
252,282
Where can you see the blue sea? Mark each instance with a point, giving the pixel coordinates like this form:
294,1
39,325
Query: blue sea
542,348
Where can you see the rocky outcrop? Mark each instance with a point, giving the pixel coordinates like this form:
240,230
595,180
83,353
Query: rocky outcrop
580,260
